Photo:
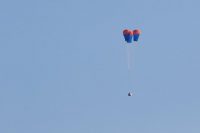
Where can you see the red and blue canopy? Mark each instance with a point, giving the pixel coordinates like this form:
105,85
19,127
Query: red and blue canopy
130,35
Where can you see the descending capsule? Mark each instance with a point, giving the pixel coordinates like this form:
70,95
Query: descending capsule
136,34
130,94
128,35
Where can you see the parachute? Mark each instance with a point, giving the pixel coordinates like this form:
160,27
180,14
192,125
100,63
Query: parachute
136,34
130,36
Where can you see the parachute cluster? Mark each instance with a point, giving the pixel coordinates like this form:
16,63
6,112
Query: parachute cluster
131,35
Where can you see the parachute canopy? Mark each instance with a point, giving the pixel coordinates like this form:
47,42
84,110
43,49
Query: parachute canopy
130,35
136,34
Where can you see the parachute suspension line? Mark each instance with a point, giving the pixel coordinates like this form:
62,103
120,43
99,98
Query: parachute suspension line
128,56
129,63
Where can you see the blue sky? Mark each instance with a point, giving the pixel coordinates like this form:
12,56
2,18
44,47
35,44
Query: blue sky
63,66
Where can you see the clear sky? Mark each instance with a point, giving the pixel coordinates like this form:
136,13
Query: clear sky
63,66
